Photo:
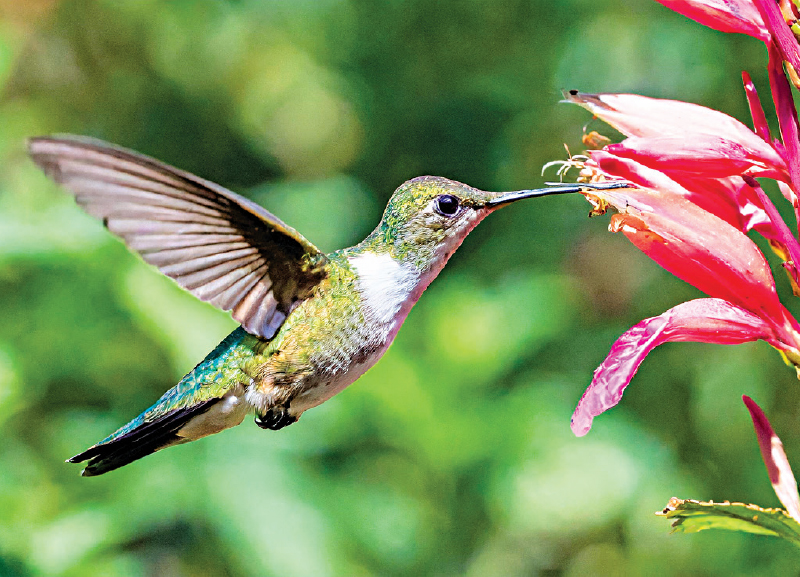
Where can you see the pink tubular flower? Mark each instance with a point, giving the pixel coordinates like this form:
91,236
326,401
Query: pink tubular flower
704,250
695,200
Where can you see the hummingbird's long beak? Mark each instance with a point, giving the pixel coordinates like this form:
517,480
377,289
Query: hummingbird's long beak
507,197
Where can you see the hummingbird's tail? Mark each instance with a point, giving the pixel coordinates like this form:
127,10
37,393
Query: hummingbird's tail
204,402
141,440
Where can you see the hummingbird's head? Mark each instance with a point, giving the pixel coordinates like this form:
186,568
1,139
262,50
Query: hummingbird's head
428,217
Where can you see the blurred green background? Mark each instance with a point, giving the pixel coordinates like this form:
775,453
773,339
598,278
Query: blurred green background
454,455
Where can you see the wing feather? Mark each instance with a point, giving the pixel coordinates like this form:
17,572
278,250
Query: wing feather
234,292
220,246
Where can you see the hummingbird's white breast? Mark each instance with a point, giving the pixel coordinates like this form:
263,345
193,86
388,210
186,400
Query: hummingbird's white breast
386,285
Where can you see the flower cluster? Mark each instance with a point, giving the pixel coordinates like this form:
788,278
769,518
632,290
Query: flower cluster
697,197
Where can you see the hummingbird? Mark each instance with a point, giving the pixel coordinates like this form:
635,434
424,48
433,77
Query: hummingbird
311,323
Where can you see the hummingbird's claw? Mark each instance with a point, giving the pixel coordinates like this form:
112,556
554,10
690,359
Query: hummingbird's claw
276,418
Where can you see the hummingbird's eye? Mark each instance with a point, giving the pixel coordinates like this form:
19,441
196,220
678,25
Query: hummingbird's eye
446,205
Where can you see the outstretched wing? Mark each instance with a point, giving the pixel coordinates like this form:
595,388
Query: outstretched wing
221,247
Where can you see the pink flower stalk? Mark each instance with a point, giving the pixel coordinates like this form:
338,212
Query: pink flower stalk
697,198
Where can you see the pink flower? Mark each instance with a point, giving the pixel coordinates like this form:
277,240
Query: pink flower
702,249
686,141
697,198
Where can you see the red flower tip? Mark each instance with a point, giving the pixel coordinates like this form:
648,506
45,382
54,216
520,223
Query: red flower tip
778,468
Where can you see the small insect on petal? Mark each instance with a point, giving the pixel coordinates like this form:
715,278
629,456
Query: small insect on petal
599,205
594,140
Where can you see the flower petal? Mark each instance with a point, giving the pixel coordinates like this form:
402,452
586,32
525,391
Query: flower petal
701,320
783,235
780,472
697,247
641,116
723,15
731,199
760,124
702,154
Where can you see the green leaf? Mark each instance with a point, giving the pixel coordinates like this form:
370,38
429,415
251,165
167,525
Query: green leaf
689,516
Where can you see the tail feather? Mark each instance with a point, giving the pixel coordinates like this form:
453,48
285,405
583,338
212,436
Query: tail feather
140,441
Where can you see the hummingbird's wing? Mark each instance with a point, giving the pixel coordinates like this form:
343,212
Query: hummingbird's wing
222,247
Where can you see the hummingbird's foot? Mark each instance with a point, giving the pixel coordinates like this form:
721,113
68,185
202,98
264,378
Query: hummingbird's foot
275,419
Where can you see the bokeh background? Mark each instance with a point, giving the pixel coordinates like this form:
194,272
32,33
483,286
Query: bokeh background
454,455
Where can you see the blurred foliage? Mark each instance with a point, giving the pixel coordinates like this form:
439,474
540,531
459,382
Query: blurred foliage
453,456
